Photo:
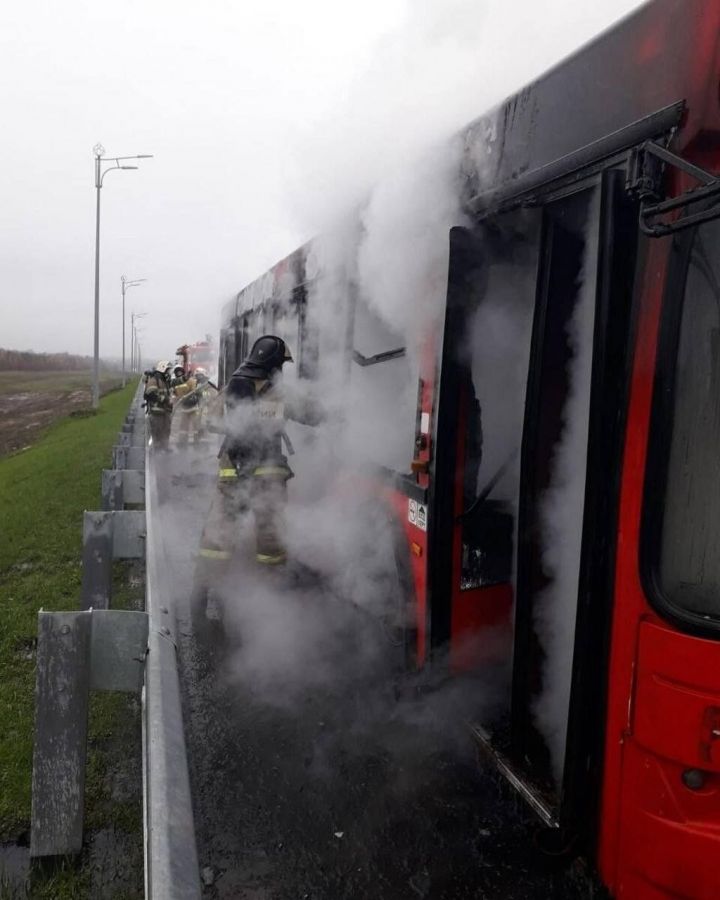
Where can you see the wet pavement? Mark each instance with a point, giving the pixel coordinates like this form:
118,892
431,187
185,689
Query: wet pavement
351,783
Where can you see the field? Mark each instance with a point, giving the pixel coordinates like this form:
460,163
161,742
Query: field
30,401
43,492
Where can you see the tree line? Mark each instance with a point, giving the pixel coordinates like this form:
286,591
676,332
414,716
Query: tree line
27,361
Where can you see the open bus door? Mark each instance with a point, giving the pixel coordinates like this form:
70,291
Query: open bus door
524,500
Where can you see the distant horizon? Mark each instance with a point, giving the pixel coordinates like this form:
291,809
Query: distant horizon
6,365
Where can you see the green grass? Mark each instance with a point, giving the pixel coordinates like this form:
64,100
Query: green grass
43,492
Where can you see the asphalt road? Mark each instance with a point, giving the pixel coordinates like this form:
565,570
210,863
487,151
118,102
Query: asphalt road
349,783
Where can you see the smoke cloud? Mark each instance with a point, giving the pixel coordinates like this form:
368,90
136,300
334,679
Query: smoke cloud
561,513
337,617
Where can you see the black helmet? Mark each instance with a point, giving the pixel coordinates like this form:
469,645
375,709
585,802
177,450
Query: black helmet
269,352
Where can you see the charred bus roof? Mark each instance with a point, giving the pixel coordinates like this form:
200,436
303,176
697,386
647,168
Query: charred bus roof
653,72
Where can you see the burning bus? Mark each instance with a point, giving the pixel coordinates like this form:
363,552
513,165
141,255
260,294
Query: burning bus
544,430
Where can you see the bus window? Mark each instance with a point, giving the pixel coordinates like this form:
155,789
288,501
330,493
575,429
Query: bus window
684,500
252,321
286,326
227,354
498,355
308,343
242,348
382,392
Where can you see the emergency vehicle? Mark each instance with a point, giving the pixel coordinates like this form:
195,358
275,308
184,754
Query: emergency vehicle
558,480
201,354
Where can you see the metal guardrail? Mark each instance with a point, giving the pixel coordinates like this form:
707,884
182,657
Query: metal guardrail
98,648
94,649
171,861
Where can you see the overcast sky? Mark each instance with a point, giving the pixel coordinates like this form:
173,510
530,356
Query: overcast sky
264,119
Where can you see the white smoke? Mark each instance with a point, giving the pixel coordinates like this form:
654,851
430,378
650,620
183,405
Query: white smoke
403,257
499,351
380,281
390,156
561,514
444,64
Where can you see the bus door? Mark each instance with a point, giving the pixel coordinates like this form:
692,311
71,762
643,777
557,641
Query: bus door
486,348
532,370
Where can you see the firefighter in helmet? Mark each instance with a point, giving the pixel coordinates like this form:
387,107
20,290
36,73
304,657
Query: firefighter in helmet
205,391
254,471
186,403
178,376
158,403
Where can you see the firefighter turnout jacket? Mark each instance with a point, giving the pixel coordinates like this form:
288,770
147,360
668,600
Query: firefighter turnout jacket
253,469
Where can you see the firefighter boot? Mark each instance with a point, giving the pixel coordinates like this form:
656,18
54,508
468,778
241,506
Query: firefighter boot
269,497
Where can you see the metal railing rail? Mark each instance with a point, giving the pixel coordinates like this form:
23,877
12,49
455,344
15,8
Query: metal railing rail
171,860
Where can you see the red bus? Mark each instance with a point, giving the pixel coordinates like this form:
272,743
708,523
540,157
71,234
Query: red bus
555,496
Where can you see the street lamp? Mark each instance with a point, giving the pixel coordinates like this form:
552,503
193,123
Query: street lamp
100,174
125,284
133,340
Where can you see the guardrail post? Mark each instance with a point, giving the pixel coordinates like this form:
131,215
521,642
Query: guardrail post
61,710
102,650
112,489
97,557
108,535
122,487
119,457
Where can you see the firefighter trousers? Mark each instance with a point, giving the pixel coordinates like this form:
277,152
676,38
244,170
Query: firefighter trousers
262,491
160,422
186,422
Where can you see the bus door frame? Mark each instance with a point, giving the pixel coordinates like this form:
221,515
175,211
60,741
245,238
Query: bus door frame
610,380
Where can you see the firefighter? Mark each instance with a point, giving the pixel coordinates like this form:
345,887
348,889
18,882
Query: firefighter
186,402
178,376
206,393
158,403
253,470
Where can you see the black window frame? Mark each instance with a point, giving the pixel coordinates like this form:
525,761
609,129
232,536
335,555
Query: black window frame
659,444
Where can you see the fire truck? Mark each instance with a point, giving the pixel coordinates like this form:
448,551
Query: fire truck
556,476
201,354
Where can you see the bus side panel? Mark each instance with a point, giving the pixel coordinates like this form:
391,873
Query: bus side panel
665,852
480,629
415,551
629,601
671,834
660,815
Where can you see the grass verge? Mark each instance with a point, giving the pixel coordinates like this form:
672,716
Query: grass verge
43,492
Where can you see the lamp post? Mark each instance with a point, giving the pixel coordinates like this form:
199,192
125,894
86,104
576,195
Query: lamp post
133,340
100,174
125,284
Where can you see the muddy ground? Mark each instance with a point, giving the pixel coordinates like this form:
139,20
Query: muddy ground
39,400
